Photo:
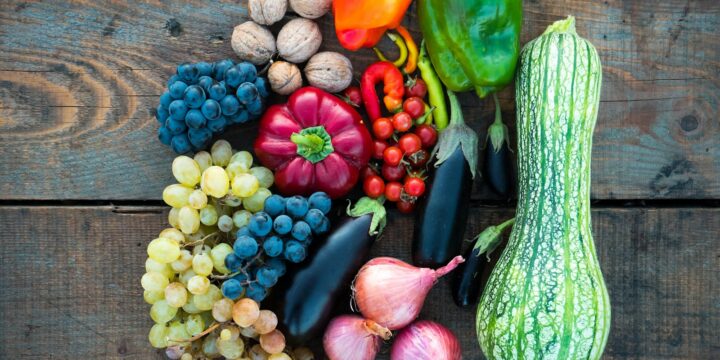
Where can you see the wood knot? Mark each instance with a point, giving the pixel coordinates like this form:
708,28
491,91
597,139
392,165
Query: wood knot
689,123
173,27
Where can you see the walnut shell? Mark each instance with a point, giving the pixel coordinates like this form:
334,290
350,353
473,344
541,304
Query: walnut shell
284,77
329,71
267,12
311,9
298,40
253,42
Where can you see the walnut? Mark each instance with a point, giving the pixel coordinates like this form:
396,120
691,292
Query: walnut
311,9
298,40
253,42
329,71
267,12
284,77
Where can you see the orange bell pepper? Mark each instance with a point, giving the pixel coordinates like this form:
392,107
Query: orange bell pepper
361,23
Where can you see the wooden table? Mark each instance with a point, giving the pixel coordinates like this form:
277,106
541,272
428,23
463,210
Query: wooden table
81,170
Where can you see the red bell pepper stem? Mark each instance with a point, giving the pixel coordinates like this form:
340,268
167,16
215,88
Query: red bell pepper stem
393,88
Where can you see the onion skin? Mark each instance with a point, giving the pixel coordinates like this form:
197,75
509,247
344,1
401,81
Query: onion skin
426,340
350,337
392,292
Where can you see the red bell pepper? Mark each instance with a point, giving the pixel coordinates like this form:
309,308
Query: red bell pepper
394,88
314,142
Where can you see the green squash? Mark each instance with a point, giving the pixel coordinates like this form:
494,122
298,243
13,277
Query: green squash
546,297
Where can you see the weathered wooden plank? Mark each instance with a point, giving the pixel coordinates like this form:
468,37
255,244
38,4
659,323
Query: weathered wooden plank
79,80
70,280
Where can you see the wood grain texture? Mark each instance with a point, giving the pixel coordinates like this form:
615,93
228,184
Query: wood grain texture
79,81
71,289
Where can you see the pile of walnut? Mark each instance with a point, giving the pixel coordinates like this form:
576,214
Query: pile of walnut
297,42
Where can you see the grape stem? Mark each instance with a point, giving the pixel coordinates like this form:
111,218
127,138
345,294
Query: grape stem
243,270
198,336
196,242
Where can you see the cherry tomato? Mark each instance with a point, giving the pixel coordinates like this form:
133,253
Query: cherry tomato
392,155
374,186
414,186
419,158
405,207
414,106
428,135
382,128
393,173
353,96
393,190
417,87
367,171
410,143
378,147
402,121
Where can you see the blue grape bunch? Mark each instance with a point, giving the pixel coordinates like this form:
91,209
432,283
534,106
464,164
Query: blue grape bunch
202,99
279,234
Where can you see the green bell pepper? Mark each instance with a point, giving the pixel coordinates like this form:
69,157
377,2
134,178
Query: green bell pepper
473,44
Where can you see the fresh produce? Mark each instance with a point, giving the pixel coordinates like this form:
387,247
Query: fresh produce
350,337
402,50
392,292
267,12
312,293
393,88
352,96
361,23
284,77
329,71
315,142
434,87
298,40
497,170
546,295
311,9
426,340
202,99
440,223
253,42
467,285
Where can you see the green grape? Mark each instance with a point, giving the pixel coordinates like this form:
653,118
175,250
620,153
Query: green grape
245,185
158,336
164,250
176,295
197,200
273,342
203,159
242,158
241,218
230,349
249,332
221,152
209,216
303,353
234,169
186,170
225,223
257,353
173,234
155,266
280,356
154,281
218,255
245,312
207,317
152,297
266,322
185,276
161,312
256,202
176,195
225,334
198,285
215,182
173,217
202,264
186,356
264,176
222,310
177,333
230,332
183,263
232,201
189,220
205,301
208,345
202,248
190,307
194,324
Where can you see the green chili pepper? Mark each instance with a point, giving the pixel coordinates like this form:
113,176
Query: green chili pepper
436,94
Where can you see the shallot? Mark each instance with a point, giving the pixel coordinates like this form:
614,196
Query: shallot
426,340
350,337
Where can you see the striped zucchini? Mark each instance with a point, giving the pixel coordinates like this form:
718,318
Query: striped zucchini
546,297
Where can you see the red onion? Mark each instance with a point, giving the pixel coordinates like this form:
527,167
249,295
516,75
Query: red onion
426,340
392,292
350,337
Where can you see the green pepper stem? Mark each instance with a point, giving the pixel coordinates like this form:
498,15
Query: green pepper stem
311,141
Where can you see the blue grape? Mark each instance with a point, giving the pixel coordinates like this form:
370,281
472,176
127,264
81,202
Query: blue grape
240,117
161,114
172,80
243,231
248,70
273,246
199,138
211,109
241,277
175,127
262,87
194,96
195,119
233,77
180,144
282,224
294,251
165,99
188,72
231,289
256,107
320,201
256,292
164,135
275,205
301,231
220,67
205,82
277,265
314,218
296,206
204,69
217,91
177,110
217,126
266,277
260,224
229,105
177,89
247,93
324,226
245,247
233,262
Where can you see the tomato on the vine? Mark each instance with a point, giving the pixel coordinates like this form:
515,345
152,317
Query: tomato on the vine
382,128
353,96
414,186
374,186
410,143
427,134
405,207
378,147
393,173
393,191
392,155
402,121
416,87
414,106
419,158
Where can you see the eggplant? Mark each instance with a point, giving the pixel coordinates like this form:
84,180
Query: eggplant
467,282
497,170
306,307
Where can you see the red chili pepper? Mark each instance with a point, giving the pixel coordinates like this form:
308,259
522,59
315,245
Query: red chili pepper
315,142
393,88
